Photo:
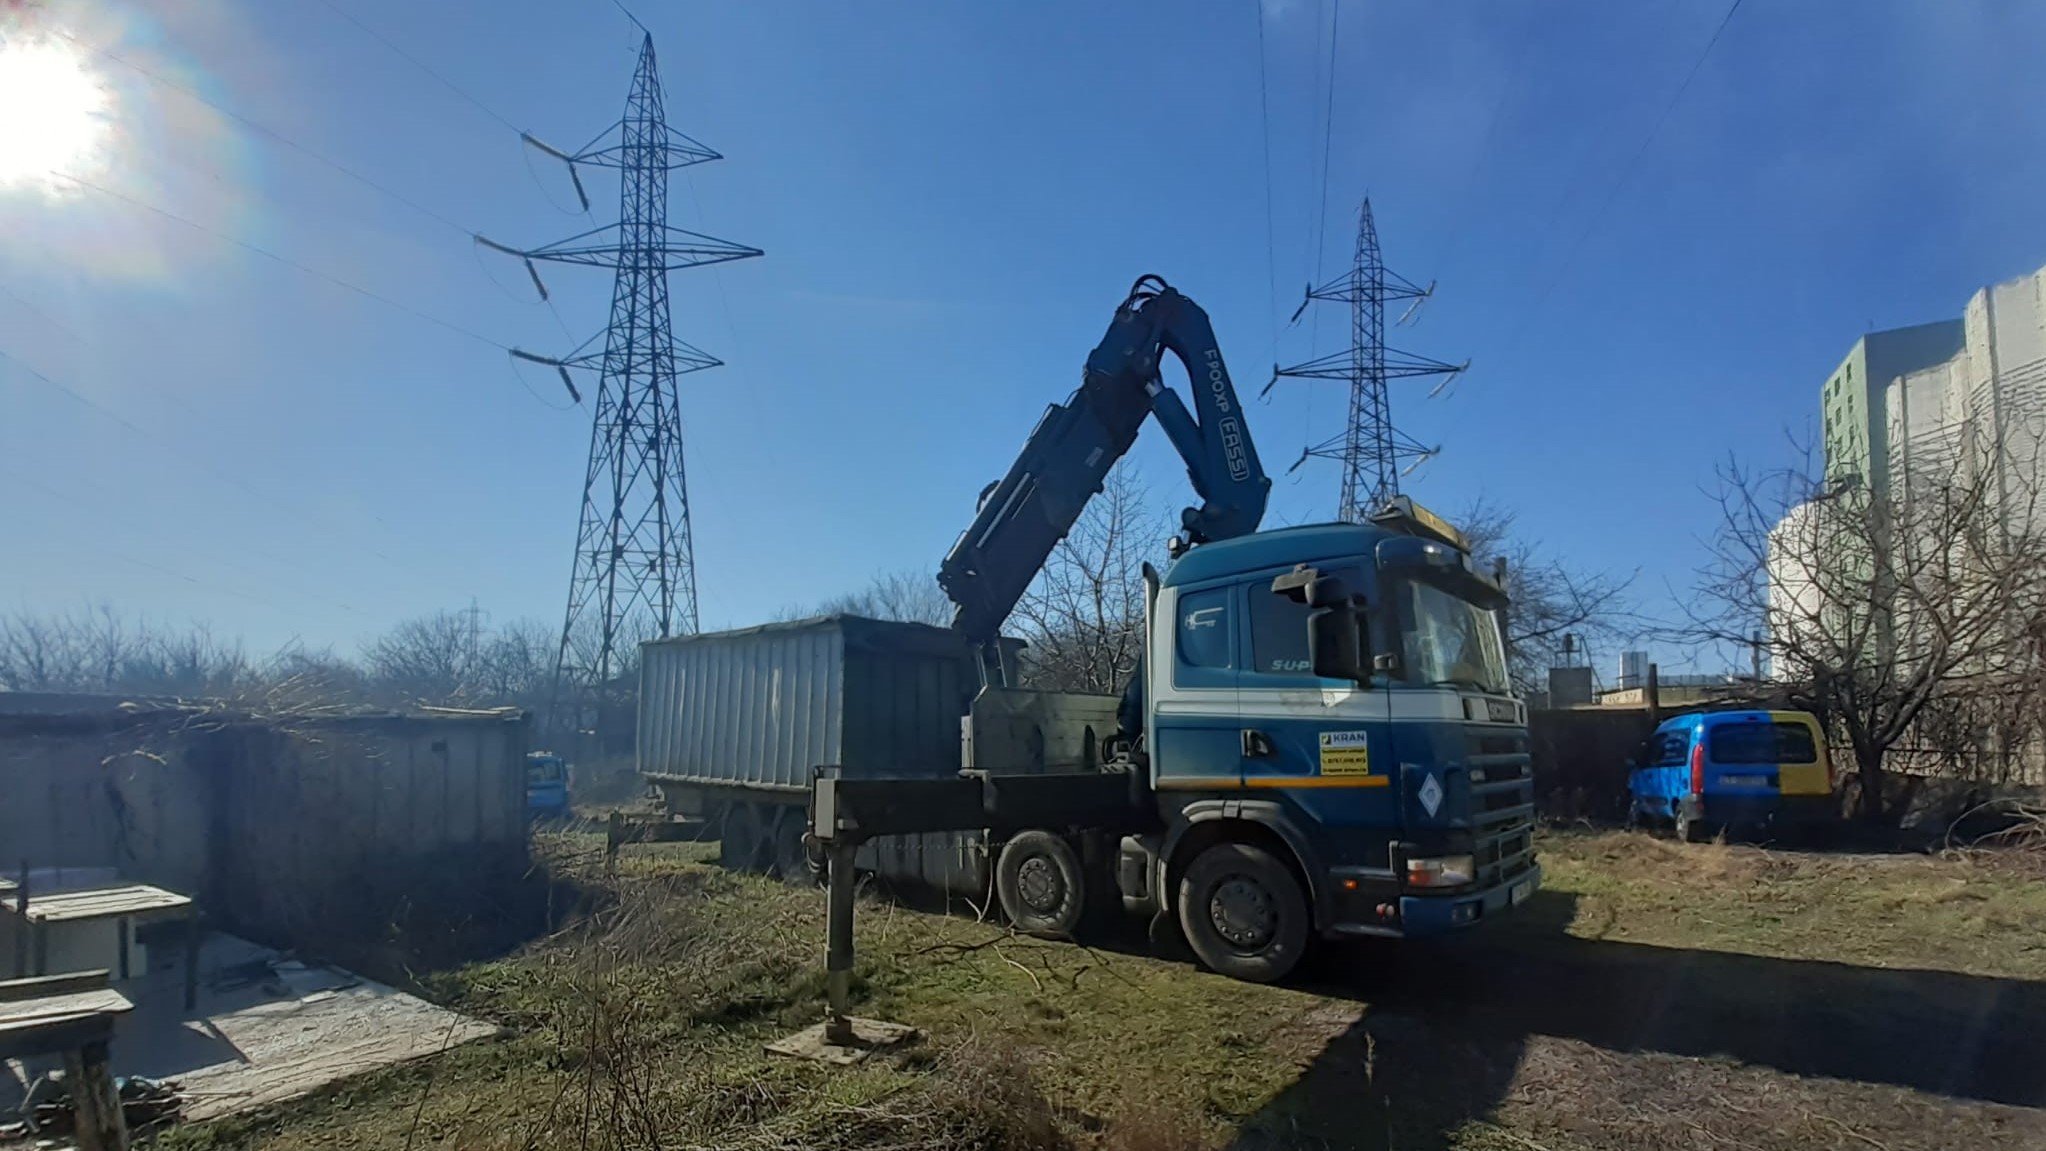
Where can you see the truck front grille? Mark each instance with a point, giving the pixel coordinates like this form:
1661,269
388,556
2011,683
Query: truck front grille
1502,805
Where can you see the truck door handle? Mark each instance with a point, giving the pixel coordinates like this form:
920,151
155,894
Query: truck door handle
1256,744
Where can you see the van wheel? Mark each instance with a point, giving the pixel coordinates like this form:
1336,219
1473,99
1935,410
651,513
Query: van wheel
1243,912
1040,883
1692,830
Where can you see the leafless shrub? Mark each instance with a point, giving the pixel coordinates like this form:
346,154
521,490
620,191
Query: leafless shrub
1550,599
1083,617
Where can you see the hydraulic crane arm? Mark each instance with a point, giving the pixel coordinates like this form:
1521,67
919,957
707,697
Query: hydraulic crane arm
1024,515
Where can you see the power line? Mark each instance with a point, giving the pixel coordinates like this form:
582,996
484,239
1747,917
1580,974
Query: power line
620,5
74,333
218,473
319,158
270,132
1626,174
287,261
416,62
1328,124
1477,167
1264,123
66,497
71,498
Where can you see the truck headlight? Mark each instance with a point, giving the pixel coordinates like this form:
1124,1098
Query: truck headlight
1441,871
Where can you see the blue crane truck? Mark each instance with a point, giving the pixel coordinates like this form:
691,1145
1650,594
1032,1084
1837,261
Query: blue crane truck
1320,740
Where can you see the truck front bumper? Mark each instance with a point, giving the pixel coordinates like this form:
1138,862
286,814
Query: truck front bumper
1423,915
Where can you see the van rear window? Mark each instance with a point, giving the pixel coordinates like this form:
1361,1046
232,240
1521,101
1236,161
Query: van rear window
1762,743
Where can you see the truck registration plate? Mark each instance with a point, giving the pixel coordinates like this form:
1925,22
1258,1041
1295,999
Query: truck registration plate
1519,892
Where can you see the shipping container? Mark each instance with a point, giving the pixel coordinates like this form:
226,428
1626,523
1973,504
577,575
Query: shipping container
762,707
732,726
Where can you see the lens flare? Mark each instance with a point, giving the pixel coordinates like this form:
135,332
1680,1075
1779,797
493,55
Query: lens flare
56,115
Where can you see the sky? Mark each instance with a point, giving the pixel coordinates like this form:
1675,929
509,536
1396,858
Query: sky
242,387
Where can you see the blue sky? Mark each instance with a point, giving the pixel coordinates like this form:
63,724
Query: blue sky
953,197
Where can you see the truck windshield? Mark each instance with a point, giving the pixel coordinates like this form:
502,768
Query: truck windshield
1448,642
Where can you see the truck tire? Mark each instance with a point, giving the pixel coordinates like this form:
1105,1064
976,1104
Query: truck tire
1041,885
1243,913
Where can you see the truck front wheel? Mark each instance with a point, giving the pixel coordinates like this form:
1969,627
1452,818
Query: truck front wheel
1243,912
1041,885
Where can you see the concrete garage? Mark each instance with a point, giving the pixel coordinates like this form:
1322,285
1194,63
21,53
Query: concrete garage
211,862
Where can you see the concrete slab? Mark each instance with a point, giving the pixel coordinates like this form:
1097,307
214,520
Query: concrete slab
869,1036
265,1029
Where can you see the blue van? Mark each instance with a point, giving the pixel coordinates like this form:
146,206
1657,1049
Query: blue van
1734,769
546,785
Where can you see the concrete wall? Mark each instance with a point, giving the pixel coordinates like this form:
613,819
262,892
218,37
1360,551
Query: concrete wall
105,790
275,826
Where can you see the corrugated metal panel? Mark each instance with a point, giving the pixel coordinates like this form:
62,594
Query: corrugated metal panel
760,708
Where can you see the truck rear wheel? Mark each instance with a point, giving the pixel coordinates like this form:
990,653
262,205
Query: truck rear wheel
1041,885
1243,912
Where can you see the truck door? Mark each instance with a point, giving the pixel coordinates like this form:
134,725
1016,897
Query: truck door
1195,732
1321,745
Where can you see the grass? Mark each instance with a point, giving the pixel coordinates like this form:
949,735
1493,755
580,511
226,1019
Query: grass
1650,979
1979,913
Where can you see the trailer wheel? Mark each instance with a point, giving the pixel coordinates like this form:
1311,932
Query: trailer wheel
1243,912
741,839
1041,885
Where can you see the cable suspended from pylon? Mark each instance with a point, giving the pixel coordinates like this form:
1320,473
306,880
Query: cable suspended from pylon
1374,454
634,573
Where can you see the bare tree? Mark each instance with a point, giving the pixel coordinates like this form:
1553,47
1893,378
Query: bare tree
516,663
37,653
190,662
98,649
906,596
429,658
1880,608
1083,617
1549,599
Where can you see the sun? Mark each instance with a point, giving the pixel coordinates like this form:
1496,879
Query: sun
55,115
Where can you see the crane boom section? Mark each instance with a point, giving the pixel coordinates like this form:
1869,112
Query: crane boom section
1023,516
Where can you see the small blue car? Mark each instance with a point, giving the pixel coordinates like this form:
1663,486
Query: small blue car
1744,770
546,785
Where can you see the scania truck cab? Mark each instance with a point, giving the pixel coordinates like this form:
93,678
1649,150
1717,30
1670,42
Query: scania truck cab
1353,727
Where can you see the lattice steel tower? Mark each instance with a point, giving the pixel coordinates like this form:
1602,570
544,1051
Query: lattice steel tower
1374,454
634,575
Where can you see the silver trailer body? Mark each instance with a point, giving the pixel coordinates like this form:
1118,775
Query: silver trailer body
733,725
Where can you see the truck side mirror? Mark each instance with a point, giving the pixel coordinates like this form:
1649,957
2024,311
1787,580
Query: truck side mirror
1334,641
